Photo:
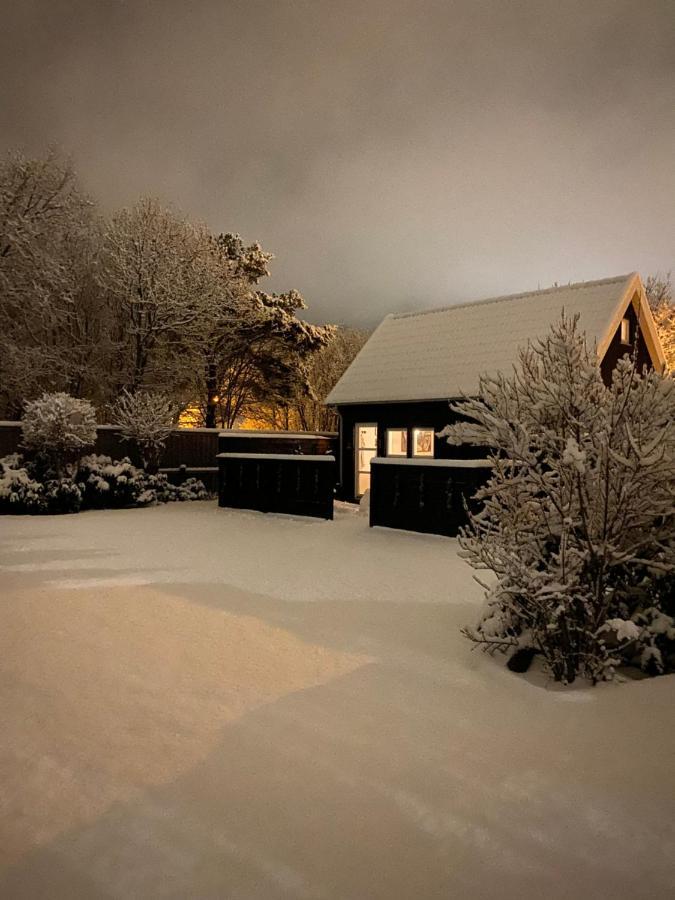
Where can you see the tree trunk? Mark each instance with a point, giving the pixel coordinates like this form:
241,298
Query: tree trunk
211,396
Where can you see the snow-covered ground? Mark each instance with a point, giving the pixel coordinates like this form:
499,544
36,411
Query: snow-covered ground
201,703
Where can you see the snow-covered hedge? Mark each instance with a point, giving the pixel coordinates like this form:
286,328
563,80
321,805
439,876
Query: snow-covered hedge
578,517
57,428
96,482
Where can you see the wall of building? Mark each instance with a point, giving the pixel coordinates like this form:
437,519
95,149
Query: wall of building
434,414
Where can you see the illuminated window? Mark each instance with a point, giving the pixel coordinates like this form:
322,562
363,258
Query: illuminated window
366,449
397,441
625,331
423,442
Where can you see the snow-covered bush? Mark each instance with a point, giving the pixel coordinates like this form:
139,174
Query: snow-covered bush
162,491
107,484
578,517
146,419
19,493
22,492
111,485
57,428
61,495
98,483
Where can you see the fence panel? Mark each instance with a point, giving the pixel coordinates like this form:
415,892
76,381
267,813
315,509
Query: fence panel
424,495
297,484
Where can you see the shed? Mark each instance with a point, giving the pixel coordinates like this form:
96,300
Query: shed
393,398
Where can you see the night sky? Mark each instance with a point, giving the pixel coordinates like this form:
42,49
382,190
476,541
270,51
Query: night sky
393,155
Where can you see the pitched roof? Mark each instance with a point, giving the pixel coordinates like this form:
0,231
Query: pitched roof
440,353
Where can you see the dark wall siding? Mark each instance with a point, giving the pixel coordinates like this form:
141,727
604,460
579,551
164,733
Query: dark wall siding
434,414
423,498
617,349
299,484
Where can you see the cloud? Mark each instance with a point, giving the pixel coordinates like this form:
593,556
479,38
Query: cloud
392,154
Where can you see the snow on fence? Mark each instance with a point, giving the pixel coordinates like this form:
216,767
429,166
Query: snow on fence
301,442
292,483
426,495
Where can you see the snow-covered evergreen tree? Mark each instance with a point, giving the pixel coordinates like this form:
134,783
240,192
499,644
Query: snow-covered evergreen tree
58,428
578,517
146,418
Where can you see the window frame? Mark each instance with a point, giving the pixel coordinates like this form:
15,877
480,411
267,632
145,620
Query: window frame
413,454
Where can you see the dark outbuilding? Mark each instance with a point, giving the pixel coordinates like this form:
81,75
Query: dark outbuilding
393,399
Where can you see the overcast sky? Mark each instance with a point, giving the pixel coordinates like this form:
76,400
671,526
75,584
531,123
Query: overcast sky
393,155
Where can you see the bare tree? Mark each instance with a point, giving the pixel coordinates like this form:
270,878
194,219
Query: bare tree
47,250
159,276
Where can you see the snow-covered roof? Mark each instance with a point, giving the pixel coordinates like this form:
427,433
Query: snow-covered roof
441,353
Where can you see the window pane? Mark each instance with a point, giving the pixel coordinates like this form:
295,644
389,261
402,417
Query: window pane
397,442
365,457
423,442
368,436
364,482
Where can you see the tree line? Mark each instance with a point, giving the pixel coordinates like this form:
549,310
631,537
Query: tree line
145,299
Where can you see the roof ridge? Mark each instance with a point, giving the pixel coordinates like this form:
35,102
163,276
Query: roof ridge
550,290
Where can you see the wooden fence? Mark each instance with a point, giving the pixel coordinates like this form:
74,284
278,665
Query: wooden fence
297,484
424,495
189,452
192,452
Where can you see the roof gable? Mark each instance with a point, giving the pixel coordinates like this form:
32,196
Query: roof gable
442,353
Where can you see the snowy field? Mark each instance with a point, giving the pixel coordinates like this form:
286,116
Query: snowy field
201,703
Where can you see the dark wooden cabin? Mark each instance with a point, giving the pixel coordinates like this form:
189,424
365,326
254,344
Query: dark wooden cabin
394,397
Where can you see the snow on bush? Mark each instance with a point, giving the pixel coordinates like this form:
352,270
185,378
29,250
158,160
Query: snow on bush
19,493
146,419
99,483
57,428
578,517
107,484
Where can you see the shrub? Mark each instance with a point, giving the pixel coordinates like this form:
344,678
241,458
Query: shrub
19,492
163,491
108,485
56,429
99,483
62,495
146,419
578,517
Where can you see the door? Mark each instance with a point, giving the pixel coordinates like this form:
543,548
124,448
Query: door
365,448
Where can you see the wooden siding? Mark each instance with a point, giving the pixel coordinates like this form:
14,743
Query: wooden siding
295,484
423,498
617,348
426,414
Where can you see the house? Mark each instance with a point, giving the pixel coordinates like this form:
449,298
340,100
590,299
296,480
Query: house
394,397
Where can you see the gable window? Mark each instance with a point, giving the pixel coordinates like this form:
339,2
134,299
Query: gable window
625,331
423,442
397,441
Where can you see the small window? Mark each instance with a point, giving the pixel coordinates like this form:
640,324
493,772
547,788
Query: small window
625,331
423,442
397,441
